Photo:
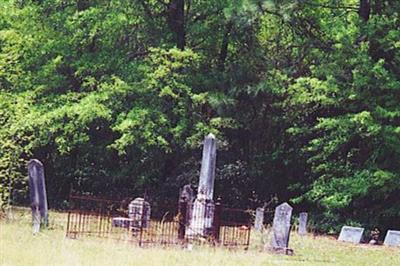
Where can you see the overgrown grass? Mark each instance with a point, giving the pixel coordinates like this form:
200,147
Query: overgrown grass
19,247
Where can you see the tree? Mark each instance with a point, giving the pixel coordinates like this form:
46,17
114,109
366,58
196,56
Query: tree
115,97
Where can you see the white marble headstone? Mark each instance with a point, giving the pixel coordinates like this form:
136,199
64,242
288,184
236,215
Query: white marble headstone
38,195
392,238
203,207
303,223
259,220
351,234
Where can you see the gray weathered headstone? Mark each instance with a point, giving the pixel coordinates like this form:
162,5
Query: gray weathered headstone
351,234
392,238
187,194
139,211
203,206
303,223
259,220
38,196
281,226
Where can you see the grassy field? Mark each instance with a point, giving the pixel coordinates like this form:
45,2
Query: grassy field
19,247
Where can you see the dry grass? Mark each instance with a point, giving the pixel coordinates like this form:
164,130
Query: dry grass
19,247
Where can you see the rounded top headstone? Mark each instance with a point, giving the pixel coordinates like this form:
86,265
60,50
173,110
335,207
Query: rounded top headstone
35,161
210,136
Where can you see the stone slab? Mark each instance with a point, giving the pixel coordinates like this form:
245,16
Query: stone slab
303,216
121,222
38,195
351,234
281,226
392,238
259,220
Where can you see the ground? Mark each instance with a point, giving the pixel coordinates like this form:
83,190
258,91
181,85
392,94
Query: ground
19,247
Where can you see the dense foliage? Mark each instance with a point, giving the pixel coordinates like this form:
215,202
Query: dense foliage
115,96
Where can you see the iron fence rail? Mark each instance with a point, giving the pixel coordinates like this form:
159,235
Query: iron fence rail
103,218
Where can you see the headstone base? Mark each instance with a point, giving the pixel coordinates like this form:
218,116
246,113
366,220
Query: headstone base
284,251
121,222
278,250
201,223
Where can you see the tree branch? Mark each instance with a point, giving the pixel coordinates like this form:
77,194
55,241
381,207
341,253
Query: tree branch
331,7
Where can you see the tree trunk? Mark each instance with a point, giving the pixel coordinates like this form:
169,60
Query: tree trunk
224,47
364,9
176,21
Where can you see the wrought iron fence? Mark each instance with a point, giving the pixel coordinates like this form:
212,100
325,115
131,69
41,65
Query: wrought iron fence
192,223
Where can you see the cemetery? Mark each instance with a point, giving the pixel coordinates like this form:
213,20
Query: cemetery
183,132
197,221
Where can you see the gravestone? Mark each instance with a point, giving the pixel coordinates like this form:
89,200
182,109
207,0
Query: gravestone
202,218
303,223
259,220
139,212
207,171
203,206
187,196
351,234
392,238
38,196
281,227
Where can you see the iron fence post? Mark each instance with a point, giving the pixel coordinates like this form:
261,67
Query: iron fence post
100,219
248,235
229,227
68,221
217,219
182,219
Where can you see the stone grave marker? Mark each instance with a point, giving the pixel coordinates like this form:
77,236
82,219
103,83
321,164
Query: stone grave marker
139,212
259,220
202,218
281,227
351,234
392,238
203,207
187,196
38,196
303,223
207,171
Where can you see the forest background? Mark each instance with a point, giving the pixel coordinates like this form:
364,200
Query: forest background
115,97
